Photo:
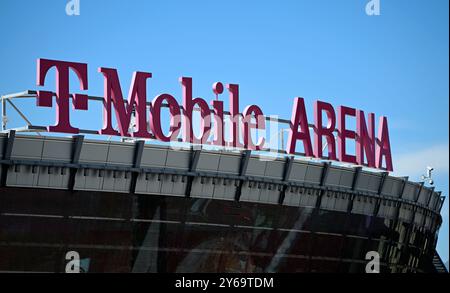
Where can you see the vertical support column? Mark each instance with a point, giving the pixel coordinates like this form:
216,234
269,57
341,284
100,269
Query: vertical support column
416,198
349,209
138,150
413,214
402,192
286,174
427,215
396,221
431,196
242,172
426,212
4,121
411,225
323,178
376,209
76,151
354,183
380,189
195,156
441,203
7,156
438,204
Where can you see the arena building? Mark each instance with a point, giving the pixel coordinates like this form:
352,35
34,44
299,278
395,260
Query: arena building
135,205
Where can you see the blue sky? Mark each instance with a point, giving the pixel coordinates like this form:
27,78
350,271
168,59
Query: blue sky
395,64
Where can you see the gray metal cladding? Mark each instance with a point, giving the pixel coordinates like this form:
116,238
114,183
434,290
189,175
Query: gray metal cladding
46,162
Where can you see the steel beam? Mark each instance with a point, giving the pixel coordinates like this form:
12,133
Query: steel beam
431,196
286,174
427,202
195,156
323,179
138,150
350,203
376,208
356,177
8,147
242,171
4,117
399,203
382,181
441,203
76,151
402,191
416,198
324,175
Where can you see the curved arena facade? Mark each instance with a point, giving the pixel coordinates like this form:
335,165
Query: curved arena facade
136,207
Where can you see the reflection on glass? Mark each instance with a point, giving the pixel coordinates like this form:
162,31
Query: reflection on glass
148,233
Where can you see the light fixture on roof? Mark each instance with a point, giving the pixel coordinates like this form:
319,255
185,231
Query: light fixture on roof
428,175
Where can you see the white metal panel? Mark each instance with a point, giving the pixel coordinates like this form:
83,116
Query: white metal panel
434,198
368,182
387,209
179,188
202,187
292,197
121,182
256,167
274,169
27,147
307,198
428,221
87,179
328,201
270,194
298,171
410,191
255,191
250,193
169,185
208,162
346,178
423,196
374,183
405,212
141,184
313,173
178,159
154,157
122,154
334,177
2,143
397,186
229,164
224,189
148,183
418,217
57,150
358,205
332,200
22,176
387,186
53,177
93,152
369,205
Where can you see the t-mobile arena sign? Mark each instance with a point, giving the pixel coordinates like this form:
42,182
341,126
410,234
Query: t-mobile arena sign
372,151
